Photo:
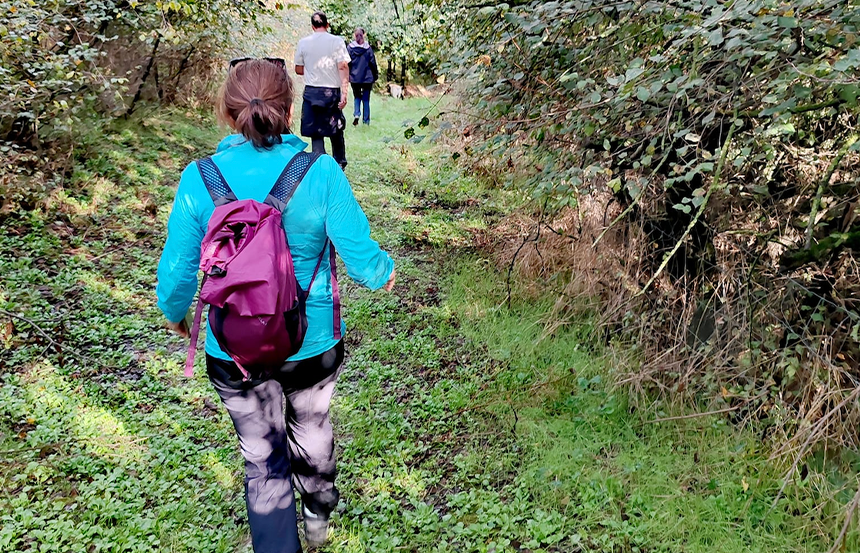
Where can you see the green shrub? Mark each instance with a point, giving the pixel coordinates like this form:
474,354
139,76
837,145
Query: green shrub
719,141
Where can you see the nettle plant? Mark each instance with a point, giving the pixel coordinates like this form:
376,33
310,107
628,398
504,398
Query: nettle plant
57,58
725,134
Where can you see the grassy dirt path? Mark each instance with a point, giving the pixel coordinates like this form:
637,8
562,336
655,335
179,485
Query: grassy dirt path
462,426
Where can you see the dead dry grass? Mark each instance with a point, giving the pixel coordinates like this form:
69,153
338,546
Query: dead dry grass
742,336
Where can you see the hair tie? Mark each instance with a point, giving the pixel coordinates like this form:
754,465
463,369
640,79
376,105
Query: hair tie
256,102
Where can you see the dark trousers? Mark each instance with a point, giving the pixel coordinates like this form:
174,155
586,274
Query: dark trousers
361,92
286,437
338,147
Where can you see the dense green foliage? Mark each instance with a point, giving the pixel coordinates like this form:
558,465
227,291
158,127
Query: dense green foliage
654,87
718,140
406,33
65,58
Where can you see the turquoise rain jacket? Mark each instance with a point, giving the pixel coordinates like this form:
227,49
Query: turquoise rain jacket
322,205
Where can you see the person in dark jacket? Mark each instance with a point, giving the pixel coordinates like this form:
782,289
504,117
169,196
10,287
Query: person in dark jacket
363,72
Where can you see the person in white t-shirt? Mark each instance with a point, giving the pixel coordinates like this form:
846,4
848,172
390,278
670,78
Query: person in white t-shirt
324,61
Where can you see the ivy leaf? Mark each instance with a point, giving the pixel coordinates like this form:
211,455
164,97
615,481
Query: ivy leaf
568,81
715,38
409,133
787,22
850,61
632,73
849,94
425,121
734,42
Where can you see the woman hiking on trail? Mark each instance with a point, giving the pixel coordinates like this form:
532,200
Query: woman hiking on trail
363,72
281,416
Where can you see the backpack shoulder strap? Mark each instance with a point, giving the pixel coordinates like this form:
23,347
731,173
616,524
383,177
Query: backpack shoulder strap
290,178
215,182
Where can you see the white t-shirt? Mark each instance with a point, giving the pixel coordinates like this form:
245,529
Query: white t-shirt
320,53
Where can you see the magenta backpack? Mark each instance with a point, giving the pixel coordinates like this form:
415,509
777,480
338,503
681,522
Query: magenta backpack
256,306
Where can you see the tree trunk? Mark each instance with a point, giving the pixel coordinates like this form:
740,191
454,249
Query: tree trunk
403,72
145,76
158,86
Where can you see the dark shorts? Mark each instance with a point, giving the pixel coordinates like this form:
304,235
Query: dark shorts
321,115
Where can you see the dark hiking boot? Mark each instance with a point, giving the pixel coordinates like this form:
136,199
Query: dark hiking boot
355,122
316,528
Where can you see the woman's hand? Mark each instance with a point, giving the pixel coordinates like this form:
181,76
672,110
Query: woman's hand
390,284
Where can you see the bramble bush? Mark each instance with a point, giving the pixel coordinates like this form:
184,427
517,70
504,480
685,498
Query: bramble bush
701,157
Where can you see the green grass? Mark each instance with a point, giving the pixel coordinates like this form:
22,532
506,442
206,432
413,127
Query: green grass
103,446
460,426
465,430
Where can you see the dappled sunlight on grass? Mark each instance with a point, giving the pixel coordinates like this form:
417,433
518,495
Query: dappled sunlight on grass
392,476
228,478
61,200
129,296
134,171
54,399
106,436
344,541
162,361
